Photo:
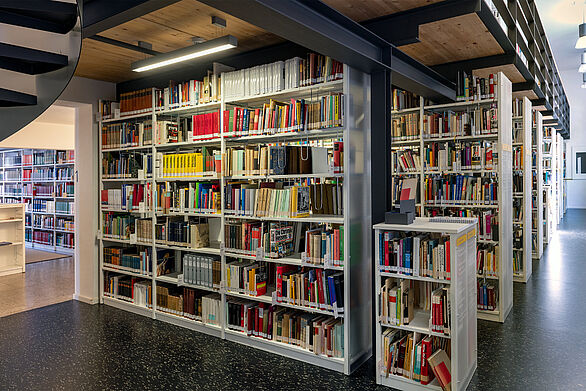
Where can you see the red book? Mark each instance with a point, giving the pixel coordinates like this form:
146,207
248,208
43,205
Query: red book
426,375
448,260
320,287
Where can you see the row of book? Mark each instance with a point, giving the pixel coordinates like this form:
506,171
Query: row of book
118,165
399,299
488,223
191,197
177,231
274,199
487,295
280,117
460,189
190,93
415,356
195,128
131,289
42,237
283,160
248,277
14,175
202,270
473,88
127,134
416,255
405,126
64,157
143,228
136,102
206,162
65,240
320,334
135,259
37,190
487,264
43,221
324,246
404,99
130,197
118,226
518,157
406,160
274,77
65,223
475,155
65,207
45,206
474,122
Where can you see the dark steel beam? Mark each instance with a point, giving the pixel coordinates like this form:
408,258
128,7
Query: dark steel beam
402,28
30,61
9,98
124,45
102,15
52,16
450,70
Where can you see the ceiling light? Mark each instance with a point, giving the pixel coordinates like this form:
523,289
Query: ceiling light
581,42
184,54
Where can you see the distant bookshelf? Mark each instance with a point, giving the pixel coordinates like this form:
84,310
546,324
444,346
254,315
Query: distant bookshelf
43,181
12,227
229,216
461,155
537,197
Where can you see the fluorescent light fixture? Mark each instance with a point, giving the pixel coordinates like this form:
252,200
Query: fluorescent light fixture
581,42
184,54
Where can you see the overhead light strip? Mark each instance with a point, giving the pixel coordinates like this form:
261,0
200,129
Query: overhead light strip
185,54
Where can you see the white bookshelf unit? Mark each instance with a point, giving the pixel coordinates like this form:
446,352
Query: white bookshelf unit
12,239
460,290
560,176
537,180
43,181
548,163
355,338
501,144
522,177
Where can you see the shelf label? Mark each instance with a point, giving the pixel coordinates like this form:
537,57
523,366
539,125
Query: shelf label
327,261
180,280
472,233
260,254
274,298
335,310
461,240
132,238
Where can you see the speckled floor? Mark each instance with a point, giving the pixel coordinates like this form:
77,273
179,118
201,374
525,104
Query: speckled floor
74,346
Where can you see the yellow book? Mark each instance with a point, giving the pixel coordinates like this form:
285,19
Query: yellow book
198,163
252,278
192,164
165,165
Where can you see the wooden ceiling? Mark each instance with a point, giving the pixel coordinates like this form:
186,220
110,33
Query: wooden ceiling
361,10
166,29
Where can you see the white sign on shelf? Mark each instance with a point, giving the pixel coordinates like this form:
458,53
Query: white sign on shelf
132,238
116,113
260,254
180,280
274,298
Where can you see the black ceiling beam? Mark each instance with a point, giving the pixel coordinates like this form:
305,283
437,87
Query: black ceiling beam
450,70
102,15
52,16
120,44
30,61
318,27
402,28
10,98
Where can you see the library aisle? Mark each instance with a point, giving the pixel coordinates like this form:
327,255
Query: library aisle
110,348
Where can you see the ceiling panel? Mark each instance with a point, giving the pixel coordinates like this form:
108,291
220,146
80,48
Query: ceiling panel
361,10
454,39
166,29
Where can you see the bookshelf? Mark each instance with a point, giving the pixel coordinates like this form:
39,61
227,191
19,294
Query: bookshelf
560,145
497,141
11,239
537,192
456,242
548,163
43,181
350,333
522,190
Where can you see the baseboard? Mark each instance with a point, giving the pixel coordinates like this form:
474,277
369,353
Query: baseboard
85,299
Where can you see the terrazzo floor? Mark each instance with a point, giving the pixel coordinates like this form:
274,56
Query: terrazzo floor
75,346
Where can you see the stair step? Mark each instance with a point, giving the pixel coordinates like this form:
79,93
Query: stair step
53,16
10,98
30,61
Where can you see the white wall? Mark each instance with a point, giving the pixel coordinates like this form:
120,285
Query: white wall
83,94
576,188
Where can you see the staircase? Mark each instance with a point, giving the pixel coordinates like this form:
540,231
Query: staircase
40,44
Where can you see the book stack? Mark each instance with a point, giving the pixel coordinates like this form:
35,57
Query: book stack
460,190
473,88
415,255
134,259
124,135
476,155
119,165
198,197
175,231
143,230
170,300
477,121
404,100
202,270
409,355
406,160
135,197
197,164
117,226
136,102
324,246
280,117
249,277
405,126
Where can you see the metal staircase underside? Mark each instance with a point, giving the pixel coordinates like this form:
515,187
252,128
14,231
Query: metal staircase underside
42,16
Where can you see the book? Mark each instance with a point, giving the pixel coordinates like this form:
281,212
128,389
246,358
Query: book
202,270
136,259
123,135
441,367
473,88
